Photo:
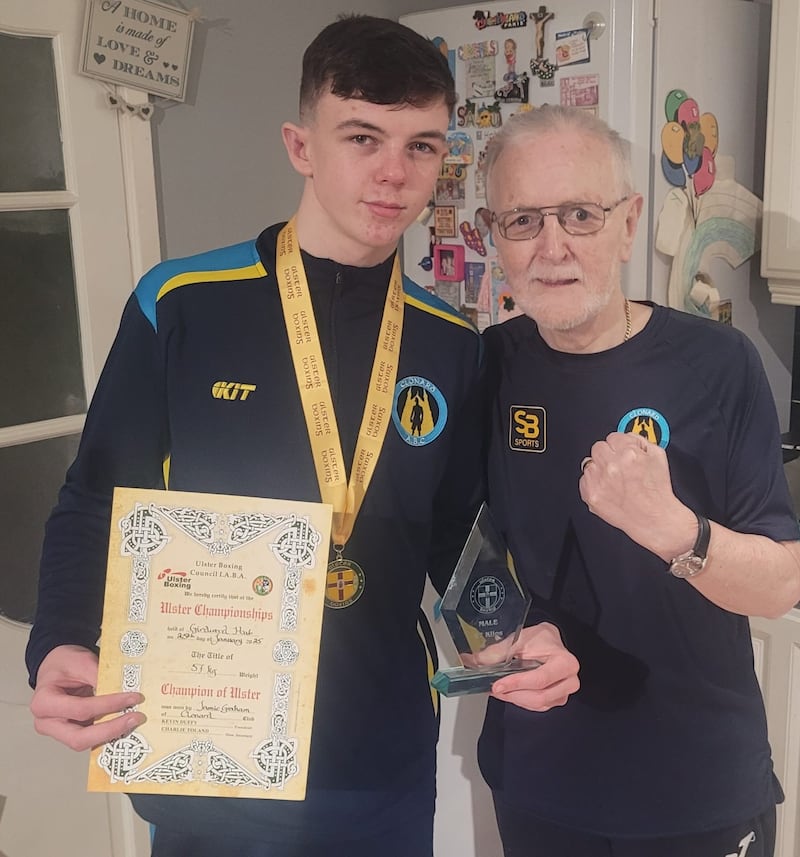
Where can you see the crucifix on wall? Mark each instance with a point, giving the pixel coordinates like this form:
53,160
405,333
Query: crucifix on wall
541,67
541,17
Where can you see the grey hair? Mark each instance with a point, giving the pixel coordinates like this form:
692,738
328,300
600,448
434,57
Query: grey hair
554,117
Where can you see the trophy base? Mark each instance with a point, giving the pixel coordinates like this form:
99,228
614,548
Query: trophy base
457,681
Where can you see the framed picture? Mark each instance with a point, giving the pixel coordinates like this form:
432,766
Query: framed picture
451,192
473,276
444,218
448,262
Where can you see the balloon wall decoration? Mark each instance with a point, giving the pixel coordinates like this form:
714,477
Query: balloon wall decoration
689,141
705,215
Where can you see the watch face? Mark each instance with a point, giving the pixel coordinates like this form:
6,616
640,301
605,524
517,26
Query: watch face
687,566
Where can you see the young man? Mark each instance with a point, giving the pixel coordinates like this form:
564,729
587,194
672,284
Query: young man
635,469
374,108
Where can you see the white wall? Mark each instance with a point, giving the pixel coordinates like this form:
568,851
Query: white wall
222,170
223,176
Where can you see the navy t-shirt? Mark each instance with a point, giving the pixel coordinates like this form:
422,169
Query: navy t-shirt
667,734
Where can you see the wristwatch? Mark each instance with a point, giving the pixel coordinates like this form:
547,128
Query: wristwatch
694,561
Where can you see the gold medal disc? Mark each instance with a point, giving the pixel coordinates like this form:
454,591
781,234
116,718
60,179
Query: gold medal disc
344,585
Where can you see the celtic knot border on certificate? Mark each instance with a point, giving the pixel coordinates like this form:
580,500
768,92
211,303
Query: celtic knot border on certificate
144,535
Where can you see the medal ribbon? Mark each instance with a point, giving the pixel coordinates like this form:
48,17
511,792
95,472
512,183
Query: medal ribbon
345,495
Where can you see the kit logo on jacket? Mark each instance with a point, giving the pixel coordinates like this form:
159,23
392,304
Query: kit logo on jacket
527,428
647,423
232,391
419,410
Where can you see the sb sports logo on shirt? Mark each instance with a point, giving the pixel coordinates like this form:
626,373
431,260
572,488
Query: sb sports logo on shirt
527,428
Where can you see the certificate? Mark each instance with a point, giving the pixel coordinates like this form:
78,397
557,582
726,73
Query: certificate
213,611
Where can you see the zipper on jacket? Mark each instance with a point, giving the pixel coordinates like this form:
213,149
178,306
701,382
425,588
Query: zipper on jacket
332,358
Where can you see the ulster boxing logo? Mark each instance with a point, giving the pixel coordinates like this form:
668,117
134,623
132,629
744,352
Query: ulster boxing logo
487,594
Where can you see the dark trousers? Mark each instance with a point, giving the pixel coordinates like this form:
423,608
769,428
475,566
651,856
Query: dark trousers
408,833
524,835
401,843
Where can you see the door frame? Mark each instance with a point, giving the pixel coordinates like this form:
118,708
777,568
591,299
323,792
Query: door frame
129,835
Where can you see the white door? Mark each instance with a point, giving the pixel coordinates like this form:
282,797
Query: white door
78,225
776,647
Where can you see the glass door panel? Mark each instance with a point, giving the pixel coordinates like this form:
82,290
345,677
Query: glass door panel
29,111
40,353
32,475
41,364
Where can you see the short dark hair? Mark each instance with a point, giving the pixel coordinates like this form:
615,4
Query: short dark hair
376,60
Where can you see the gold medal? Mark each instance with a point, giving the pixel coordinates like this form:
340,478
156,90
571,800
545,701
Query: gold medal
344,584
345,581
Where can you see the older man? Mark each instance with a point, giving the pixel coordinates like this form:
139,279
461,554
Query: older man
635,469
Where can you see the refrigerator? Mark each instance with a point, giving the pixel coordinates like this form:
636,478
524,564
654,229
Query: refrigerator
685,82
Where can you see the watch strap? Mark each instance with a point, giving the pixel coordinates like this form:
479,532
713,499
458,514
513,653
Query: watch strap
700,548
693,562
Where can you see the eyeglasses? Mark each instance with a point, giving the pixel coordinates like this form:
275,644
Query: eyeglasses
576,218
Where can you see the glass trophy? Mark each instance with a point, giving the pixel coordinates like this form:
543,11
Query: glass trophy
484,608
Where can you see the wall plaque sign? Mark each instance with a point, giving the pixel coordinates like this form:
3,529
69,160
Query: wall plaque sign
141,44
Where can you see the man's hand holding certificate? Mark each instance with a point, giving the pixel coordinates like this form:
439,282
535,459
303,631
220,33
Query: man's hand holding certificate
213,611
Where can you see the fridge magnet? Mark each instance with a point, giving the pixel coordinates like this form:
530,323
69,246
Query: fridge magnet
448,262
503,306
441,43
504,20
479,74
448,291
141,44
459,148
544,70
477,50
572,47
515,90
541,67
515,86
473,274
472,237
450,192
724,312
489,116
426,262
483,222
432,242
450,56
480,171
444,219
469,312
510,56
425,215
541,18
582,90
480,182
456,172
485,295
466,114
